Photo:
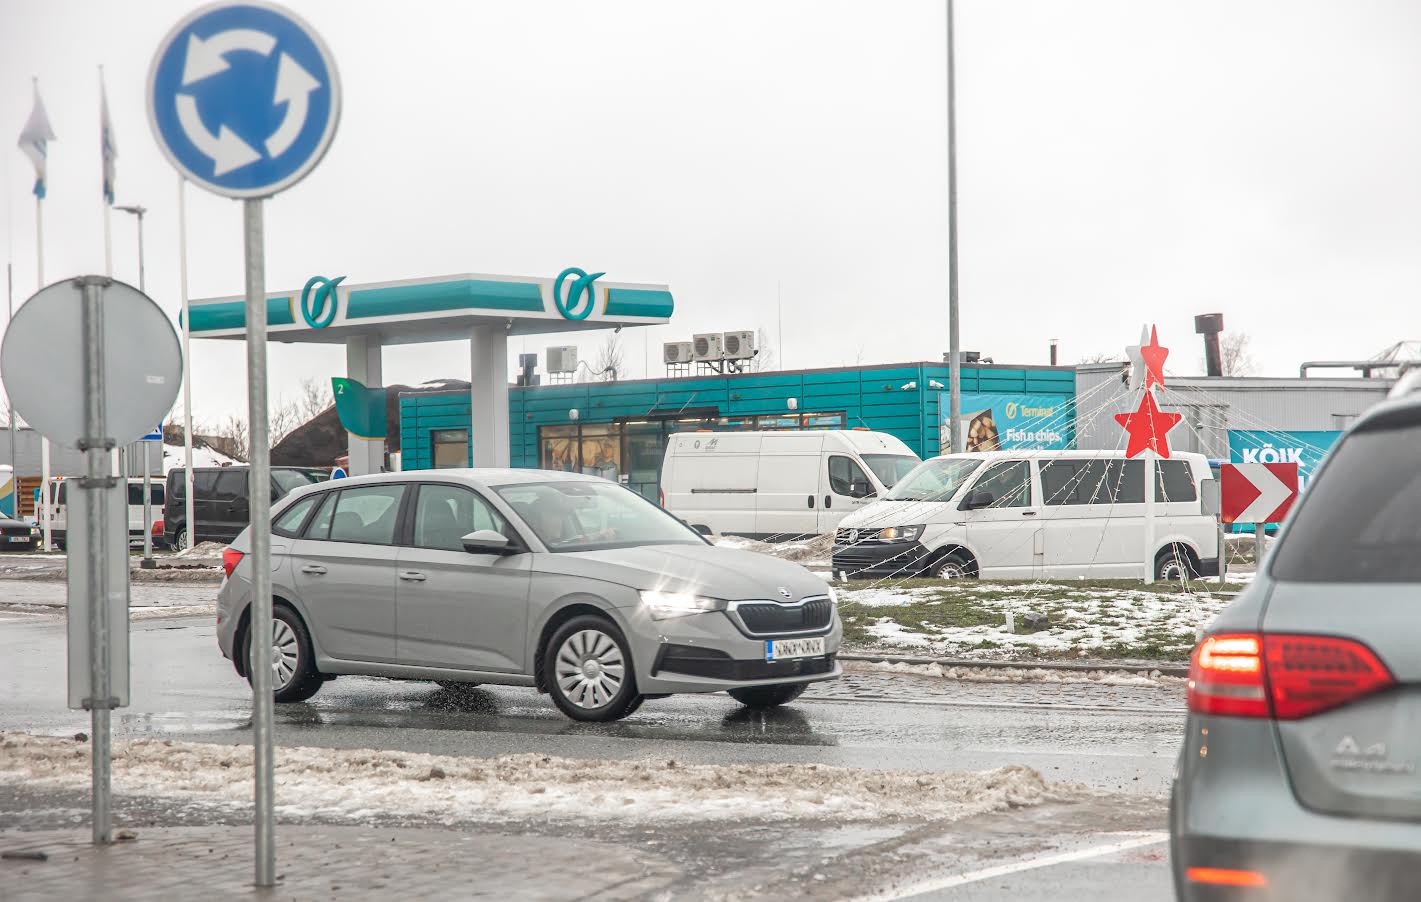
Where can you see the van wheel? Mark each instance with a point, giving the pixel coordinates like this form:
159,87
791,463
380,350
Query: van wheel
180,542
768,696
294,677
1175,565
954,566
589,670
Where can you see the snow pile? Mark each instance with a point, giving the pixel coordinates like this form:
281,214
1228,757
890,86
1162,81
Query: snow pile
159,612
1152,678
201,552
813,552
358,782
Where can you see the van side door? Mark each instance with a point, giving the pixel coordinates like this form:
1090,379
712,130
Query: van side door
1094,516
1003,522
230,507
844,486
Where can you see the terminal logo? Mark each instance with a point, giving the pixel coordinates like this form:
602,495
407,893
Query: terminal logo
577,303
318,308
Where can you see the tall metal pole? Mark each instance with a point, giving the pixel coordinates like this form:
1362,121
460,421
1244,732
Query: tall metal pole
45,491
189,524
98,475
147,563
954,348
260,534
10,314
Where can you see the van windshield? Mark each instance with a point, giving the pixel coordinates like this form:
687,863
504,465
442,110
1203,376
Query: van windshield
889,468
934,480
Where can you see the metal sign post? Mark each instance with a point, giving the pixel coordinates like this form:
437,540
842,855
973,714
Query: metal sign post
155,436
70,360
286,67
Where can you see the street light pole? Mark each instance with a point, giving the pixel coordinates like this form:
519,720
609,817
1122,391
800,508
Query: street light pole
954,348
147,563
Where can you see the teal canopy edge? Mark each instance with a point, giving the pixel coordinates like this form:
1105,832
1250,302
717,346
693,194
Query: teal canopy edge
233,315
647,302
465,294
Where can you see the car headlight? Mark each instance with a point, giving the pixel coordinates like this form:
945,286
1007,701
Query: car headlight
664,605
899,534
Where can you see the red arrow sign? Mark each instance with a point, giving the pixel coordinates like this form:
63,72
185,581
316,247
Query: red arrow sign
1257,493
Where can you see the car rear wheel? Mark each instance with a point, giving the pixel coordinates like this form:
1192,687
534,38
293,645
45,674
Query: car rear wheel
768,696
1175,565
180,542
588,669
294,677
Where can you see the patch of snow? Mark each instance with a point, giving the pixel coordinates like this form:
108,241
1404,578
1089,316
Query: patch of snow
892,633
1017,674
202,456
353,782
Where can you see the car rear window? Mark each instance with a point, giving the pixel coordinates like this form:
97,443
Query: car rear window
1358,521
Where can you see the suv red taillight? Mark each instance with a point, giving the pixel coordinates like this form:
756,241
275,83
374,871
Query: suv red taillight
157,531
230,559
1283,676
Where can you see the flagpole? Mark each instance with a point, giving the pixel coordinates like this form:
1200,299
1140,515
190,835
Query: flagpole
44,491
188,521
108,206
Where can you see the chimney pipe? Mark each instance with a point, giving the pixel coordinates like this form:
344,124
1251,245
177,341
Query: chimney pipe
1053,351
1210,325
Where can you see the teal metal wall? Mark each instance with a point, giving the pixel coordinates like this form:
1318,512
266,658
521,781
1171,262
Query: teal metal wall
870,396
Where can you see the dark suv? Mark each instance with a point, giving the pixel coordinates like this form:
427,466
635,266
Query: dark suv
220,501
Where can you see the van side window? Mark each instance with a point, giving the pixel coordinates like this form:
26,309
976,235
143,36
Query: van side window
204,483
1174,481
847,478
1008,482
1066,482
289,523
230,485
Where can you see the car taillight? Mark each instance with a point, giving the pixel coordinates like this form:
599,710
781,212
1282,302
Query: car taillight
157,527
1283,676
230,559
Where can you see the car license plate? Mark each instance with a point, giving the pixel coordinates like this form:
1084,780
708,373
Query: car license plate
18,538
787,649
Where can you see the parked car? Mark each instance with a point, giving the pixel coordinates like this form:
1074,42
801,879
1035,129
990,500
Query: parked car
59,525
17,535
1030,514
221,501
1299,774
568,583
769,485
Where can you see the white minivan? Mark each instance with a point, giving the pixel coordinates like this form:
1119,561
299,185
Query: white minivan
778,485
59,525
1030,514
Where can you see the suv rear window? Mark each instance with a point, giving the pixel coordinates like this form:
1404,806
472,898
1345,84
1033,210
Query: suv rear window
1358,520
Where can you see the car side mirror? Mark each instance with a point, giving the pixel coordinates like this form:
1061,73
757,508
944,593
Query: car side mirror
486,541
977,501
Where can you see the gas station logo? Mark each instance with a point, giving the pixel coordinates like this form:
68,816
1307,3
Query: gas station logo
318,308
577,303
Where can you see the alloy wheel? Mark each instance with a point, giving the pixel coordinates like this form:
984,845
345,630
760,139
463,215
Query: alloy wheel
590,669
285,653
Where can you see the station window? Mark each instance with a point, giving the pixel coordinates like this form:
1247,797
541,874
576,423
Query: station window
451,448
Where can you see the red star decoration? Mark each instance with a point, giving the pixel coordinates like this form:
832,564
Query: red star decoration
1153,356
1147,427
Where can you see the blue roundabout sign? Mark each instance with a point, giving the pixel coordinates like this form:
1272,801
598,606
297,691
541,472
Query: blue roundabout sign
244,98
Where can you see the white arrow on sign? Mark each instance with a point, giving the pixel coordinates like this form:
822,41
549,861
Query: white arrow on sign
204,58
293,87
1271,493
226,150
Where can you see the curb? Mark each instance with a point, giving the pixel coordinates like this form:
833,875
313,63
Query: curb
1175,670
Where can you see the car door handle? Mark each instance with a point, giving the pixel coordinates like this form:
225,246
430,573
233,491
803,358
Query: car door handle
1028,513
811,502
828,502
413,576
314,570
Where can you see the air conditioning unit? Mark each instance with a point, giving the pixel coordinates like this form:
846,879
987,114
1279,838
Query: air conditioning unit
562,359
706,346
738,345
676,352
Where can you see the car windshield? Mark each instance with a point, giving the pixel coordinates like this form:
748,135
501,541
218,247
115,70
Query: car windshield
889,468
934,480
289,480
586,516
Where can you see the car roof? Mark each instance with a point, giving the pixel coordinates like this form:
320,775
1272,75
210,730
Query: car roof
485,476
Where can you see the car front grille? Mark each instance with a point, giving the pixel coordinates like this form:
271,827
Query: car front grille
713,664
766,618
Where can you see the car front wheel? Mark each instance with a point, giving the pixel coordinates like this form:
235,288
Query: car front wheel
588,669
768,696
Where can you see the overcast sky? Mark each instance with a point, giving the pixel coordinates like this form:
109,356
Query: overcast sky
1119,162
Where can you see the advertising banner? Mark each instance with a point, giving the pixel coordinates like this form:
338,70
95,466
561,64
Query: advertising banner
1004,422
1305,448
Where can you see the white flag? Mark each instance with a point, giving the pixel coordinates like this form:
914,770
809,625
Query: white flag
107,145
34,141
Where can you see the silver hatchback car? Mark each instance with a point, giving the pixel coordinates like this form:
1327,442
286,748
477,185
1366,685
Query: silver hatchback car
571,584
1300,776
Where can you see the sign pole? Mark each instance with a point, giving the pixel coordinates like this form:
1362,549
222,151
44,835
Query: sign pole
1258,531
259,454
98,477
958,441
189,523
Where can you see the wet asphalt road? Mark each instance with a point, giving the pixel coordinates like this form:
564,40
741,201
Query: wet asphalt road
1113,738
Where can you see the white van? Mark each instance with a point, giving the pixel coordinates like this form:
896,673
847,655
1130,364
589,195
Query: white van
1029,514
60,525
776,485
